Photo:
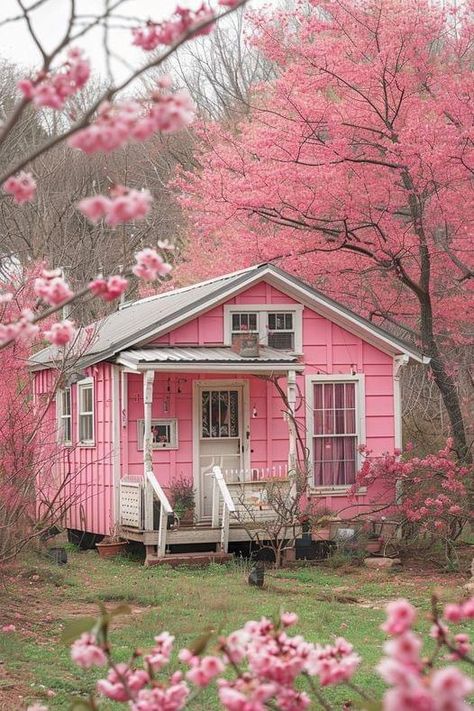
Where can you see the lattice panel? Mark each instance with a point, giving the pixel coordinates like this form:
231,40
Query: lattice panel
131,502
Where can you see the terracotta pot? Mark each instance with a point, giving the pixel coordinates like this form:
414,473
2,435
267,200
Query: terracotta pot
373,546
109,550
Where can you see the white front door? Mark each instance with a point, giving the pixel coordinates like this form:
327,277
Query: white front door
222,437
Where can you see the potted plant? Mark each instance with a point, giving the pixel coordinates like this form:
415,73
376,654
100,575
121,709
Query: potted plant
182,499
111,545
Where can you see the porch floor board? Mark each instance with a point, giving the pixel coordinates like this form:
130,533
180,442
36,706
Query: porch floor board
187,536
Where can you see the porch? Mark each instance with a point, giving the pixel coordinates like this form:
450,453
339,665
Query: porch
213,397
241,509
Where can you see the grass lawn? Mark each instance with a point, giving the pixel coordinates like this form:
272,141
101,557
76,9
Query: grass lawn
38,597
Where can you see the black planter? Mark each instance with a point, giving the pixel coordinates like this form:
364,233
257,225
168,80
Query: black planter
58,555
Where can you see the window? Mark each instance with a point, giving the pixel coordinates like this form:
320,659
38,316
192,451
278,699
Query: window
244,322
164,434
278,326
335,413
281,333
64,416
85,395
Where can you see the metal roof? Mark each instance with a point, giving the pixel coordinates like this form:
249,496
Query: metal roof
140,320
203,354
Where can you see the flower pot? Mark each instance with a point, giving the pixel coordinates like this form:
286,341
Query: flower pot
373,546
109,550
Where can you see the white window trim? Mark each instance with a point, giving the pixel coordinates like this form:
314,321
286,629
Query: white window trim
295,309
359,379
87,442
60,416
172,421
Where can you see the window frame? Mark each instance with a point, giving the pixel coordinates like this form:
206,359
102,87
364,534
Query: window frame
311,380
60,416
82,384
262,311
171,421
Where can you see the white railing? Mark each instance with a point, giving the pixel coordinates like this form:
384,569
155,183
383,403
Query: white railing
220,490
165,509
279,471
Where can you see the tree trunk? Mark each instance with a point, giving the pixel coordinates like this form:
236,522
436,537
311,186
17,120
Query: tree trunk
445,382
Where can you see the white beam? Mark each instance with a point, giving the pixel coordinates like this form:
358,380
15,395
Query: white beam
148,378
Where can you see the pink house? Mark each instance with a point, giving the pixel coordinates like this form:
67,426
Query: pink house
178,384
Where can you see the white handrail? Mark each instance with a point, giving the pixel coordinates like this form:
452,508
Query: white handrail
221,483
165,504
165,510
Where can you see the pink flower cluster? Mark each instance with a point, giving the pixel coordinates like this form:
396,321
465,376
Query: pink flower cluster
54,88
86,653
203,669
109,289
21,187
150,265
124,205
61,333
415,686
160,698
23,328
122,681
168,32
52,288
131,120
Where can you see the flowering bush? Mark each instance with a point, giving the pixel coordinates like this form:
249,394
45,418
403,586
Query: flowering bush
261,666
431,493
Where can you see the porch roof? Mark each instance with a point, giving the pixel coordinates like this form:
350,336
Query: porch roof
214,357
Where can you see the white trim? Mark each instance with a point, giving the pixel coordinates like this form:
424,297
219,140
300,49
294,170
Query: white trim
359,379
60,416
86,382
209,367
171,421
115,436
217,384
295,309
398,363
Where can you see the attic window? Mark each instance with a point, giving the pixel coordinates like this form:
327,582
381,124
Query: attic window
279,326
281,333
244,322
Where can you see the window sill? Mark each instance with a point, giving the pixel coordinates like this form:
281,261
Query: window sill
86,445
174,448
334,490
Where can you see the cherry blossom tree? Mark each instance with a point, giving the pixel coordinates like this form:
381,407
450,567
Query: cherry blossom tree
354,170
110,122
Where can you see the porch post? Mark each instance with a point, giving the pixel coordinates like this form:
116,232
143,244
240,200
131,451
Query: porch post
291,394
148,378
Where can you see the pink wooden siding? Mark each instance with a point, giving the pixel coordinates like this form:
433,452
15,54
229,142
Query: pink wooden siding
327,349
88,469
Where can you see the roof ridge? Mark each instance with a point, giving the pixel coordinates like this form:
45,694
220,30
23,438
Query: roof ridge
183,289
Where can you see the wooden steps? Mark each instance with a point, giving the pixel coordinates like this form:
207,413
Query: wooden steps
198,559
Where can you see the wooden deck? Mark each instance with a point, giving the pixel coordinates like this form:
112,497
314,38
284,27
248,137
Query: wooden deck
188,535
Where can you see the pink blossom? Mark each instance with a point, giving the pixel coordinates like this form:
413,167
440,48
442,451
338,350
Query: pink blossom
52,288
400,616
468,609
450,683
166,33
113,687
160,654
453,613
86,653
55,87
95,207
61,333
408,698
6,629
204,670
22,187
172,698
288,619
405,648
109,289
124,205
150,265
463,645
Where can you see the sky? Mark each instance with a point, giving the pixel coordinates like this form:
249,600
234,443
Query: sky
50,20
